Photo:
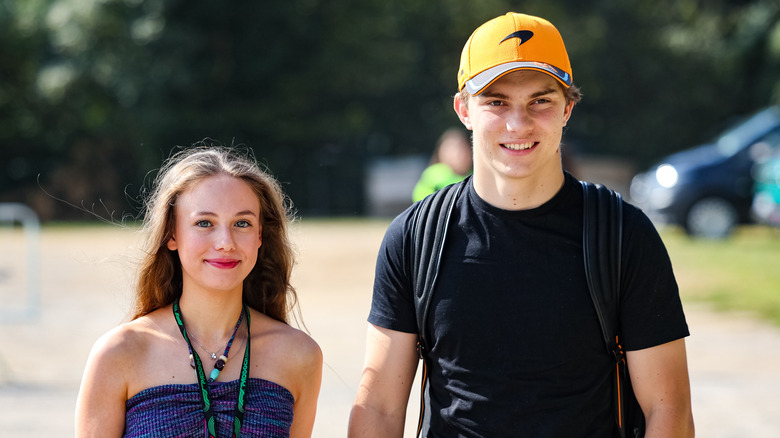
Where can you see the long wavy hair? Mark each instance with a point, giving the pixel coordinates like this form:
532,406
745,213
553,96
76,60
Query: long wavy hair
267,288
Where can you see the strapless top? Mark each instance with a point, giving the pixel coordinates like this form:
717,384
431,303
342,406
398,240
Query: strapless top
176,410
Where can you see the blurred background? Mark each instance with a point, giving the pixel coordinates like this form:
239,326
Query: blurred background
334,96
344,101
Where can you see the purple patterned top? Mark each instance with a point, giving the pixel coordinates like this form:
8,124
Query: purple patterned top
175,410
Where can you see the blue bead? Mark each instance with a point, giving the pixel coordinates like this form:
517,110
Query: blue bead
214,374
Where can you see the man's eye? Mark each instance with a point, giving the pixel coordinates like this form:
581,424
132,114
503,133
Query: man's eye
204,223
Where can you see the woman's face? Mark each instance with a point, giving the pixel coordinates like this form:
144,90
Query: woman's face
217,234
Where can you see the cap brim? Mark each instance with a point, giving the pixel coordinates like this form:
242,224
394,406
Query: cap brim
479,82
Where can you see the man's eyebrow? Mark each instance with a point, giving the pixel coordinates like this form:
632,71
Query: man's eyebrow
544,92
493,94
497,95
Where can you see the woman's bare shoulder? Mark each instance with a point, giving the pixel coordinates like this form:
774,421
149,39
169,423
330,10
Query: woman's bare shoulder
128,340
116,368
290,340
119,341
305,350
285,355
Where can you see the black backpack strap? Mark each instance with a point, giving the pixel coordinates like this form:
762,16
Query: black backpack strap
429,228
602,241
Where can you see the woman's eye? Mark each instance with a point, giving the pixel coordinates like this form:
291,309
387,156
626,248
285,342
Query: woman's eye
243,224
204,223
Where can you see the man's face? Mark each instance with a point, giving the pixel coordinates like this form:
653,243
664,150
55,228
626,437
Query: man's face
517,124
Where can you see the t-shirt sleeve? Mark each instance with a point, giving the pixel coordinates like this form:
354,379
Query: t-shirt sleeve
392,305
651,310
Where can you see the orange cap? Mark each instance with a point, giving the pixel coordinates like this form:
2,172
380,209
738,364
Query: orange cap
509,43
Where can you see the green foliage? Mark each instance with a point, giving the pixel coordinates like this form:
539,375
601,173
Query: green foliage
735,274
661,76
95,93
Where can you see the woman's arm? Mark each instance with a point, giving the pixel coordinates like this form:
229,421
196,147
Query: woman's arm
100,408
308,363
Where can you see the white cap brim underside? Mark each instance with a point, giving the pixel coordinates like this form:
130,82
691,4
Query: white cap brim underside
476,84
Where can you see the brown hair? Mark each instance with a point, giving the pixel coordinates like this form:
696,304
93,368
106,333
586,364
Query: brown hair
267,288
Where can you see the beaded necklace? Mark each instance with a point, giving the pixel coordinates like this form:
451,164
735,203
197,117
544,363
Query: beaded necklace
222,360
202,347
208,410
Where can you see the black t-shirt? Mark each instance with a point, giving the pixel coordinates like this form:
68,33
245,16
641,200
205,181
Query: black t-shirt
515,346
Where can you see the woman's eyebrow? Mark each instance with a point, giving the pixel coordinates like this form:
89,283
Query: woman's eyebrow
240,213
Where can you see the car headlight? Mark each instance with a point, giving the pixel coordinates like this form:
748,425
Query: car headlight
666,175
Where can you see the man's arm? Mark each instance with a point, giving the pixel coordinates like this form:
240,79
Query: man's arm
391,360
659,376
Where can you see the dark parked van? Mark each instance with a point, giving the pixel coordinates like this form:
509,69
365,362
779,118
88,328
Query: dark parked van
709,189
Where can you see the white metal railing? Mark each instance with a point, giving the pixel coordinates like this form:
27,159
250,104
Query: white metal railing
10,214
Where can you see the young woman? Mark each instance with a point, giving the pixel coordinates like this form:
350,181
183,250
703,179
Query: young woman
208,351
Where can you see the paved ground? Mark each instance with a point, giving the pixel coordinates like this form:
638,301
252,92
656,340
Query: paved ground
85,283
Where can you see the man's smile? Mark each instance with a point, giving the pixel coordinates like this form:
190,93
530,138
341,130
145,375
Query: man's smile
519,146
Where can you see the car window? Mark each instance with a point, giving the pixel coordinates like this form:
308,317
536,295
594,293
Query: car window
743,134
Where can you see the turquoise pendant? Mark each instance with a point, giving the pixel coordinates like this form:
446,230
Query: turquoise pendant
214,374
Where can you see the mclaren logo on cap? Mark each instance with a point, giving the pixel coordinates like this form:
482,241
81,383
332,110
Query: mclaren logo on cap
524,36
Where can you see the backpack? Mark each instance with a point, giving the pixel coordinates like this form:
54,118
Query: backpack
602,244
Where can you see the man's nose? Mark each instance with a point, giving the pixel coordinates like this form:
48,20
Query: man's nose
518,120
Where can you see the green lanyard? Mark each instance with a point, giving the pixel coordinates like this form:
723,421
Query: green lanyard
208,410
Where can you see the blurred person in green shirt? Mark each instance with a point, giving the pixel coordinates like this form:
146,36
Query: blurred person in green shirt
450,163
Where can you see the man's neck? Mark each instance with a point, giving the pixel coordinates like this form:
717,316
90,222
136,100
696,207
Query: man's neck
518,193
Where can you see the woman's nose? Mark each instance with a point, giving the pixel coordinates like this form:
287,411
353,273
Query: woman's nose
225,240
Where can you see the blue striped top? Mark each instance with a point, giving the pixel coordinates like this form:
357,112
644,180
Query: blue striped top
175,410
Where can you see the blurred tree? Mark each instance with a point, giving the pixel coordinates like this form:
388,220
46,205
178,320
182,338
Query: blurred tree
66,121
666,75
95,93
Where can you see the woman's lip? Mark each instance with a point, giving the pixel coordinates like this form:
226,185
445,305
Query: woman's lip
223,263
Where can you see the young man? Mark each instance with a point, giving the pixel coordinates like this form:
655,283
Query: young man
514,343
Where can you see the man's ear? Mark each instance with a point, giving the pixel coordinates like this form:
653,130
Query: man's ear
462,110
171,244
567,112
